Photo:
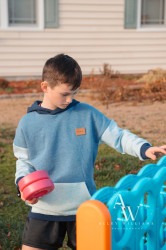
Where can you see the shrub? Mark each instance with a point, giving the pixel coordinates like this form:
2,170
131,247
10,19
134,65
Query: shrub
4,83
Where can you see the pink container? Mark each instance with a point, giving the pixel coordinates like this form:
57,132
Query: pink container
35,185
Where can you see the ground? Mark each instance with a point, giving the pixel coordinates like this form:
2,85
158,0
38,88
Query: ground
133,105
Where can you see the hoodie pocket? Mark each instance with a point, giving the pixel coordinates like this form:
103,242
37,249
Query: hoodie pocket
63,200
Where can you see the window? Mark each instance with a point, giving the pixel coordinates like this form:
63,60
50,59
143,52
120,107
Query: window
152,12
31,14
145,13
22,12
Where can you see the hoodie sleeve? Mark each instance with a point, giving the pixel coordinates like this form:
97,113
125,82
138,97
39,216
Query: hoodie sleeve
23,166
123,140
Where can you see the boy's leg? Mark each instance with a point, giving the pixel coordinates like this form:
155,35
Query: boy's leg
43,235
30,248
71,233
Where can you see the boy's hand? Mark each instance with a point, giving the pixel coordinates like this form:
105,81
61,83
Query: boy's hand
33,201
153,152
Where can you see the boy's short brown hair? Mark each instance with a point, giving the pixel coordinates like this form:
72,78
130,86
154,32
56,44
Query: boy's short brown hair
62,69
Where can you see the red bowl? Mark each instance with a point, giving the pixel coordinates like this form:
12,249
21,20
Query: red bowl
38,189
35,185
32,177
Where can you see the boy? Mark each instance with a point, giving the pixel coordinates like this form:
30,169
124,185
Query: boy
61,136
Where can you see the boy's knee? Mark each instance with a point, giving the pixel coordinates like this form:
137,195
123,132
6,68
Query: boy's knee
24,247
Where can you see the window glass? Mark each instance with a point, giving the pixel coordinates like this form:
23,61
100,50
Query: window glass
152,12
22,12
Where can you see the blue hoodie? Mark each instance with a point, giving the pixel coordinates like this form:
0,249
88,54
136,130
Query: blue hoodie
64,142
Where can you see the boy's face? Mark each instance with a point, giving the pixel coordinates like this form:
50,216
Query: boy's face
59,96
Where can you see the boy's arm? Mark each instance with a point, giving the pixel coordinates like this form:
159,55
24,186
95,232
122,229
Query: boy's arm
23,166
20,149
126,142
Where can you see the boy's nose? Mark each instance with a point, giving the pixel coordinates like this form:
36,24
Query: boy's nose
69,99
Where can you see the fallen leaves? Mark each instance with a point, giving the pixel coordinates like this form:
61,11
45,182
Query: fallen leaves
97,167
117,167
1,204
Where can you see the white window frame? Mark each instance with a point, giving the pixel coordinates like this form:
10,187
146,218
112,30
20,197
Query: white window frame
4,24
148,27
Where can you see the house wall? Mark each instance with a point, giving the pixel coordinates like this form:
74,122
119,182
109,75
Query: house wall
92,32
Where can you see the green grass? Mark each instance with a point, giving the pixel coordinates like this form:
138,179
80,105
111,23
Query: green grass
12,210
110,167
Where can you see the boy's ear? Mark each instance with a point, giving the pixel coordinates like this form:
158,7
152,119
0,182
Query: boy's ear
44,86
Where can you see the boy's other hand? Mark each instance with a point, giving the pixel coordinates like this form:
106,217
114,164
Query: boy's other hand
154,152
33,201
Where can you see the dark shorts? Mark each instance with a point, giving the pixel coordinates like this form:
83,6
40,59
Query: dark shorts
49,234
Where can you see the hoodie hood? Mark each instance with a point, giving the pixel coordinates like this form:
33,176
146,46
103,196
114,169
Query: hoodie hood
36,107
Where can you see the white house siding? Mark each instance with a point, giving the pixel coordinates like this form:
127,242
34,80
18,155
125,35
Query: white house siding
92,31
